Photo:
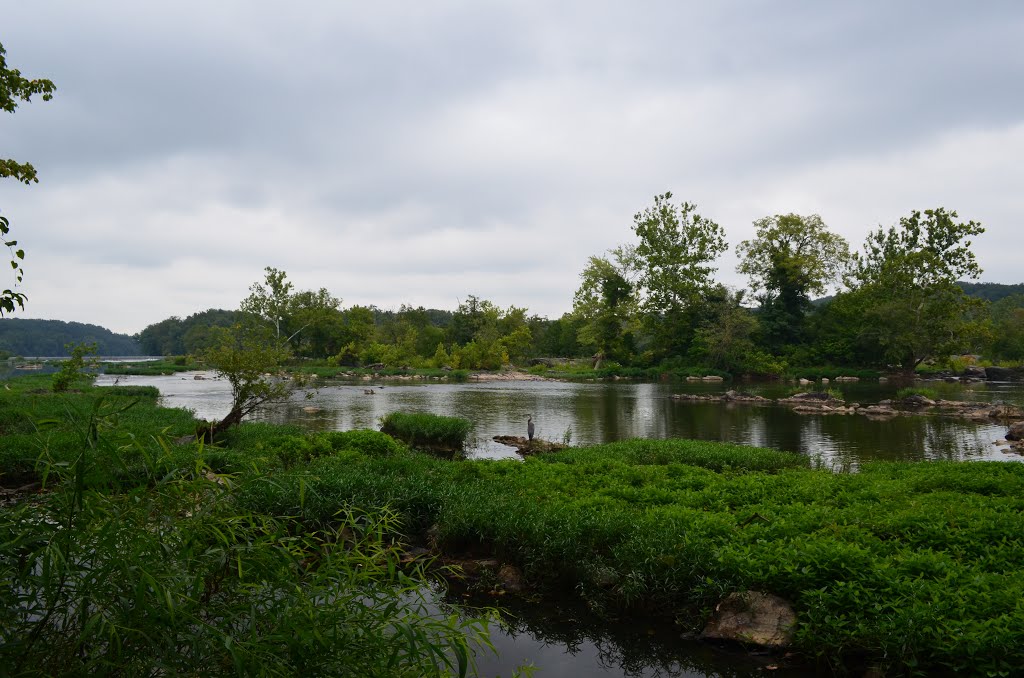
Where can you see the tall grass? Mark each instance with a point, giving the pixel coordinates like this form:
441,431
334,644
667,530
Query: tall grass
172,575
911,391
421,429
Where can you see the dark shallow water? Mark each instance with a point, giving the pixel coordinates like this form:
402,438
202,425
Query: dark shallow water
586,413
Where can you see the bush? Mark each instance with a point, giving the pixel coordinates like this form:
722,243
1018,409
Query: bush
421,429
911,391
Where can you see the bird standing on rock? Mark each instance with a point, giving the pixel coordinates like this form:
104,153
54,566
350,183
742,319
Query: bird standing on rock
529,426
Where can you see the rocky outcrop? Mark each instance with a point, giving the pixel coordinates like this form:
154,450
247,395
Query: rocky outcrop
816,403
506,375
752,618
1004,374
974,373
727,397
824,403
526,446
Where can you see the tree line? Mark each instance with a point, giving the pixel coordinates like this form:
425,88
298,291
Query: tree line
900,300
52,338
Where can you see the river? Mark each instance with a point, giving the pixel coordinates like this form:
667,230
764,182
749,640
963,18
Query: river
596,412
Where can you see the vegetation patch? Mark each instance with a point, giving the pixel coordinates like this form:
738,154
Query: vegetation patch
137,558
425,430
151,368
911,391
899,566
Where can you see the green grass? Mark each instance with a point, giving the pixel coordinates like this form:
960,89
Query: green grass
152,368
421,429
901,565
135,560
36,423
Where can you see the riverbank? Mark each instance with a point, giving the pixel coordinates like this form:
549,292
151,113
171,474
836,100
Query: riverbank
900,565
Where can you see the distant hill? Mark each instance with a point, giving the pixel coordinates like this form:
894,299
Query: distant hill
30,337
991,291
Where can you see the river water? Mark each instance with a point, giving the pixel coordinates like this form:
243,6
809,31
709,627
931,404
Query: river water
596,412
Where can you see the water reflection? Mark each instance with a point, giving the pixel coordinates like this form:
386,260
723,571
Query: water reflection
568,641
590,413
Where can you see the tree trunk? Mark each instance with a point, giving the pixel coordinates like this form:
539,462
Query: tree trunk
209,434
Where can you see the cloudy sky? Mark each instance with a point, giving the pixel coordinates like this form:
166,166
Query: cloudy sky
399,152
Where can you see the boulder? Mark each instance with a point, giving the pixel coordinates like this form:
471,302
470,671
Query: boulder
1016,431
974,372
917,400
510,578
753,618
1003,374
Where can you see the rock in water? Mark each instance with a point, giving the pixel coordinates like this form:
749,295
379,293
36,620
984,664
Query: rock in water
754,618
1016,431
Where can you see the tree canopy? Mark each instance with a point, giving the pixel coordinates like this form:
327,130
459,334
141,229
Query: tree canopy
905,283
14,89
791,258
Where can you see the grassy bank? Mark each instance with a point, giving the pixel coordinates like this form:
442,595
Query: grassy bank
128,555
907,567
152,368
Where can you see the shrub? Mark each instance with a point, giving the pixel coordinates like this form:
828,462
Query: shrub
421,429
911,391
71,370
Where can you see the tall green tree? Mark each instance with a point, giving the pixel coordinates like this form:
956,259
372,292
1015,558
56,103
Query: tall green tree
725,339
314,323
14,89
294,315
790,258
905,280
606,308
674,260
270,300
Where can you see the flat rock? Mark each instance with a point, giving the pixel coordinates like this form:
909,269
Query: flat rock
526,446
754,618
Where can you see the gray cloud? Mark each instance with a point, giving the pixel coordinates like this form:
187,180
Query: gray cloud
397,153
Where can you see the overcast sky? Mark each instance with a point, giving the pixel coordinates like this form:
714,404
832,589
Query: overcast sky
421,152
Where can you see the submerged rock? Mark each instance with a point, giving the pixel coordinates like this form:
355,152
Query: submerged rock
510,578
752,617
